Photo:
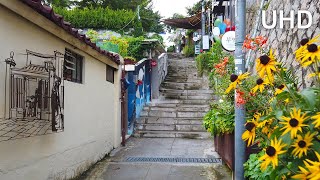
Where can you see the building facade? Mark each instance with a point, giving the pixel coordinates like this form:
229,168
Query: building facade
59,95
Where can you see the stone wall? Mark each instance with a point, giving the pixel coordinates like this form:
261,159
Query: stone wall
285,41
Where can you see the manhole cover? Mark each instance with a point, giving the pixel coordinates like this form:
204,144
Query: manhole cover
173,160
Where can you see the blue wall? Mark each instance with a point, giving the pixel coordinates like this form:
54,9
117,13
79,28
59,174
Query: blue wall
138,94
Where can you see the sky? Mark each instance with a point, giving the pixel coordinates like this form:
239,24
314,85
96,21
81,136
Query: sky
168,7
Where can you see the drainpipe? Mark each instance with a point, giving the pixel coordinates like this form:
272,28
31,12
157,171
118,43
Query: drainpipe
123,113
239,69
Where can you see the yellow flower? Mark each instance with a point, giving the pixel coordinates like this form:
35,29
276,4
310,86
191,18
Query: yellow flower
316,119
272,153
303,175
265,65
287,100
260,85
235,80
293,123
280,89
310,55
265,125
314,168
314,74
304,43
250,132
301,145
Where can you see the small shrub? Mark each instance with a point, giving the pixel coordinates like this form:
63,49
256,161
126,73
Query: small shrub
170,49
188,50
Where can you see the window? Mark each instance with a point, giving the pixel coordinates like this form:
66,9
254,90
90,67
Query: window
73,63
110,74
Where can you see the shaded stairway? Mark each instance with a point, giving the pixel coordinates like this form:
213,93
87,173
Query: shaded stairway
180,109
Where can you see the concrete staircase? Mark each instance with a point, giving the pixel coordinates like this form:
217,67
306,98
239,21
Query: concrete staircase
179,111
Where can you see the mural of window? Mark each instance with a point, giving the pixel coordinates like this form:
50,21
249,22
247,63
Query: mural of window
110,74
73,64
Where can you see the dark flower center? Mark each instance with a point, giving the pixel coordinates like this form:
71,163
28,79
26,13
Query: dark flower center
302,144
293,122
281,86
264,59
250,126
233,77
271,151
259,81
304,41
319,69
312,48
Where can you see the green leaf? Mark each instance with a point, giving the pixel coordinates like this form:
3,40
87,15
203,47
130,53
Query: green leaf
309,97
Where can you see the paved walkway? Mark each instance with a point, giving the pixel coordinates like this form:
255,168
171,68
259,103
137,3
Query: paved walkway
117,167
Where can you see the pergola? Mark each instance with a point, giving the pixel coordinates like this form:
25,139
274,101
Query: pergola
193,22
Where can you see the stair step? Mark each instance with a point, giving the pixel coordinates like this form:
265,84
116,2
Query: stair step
177,108
183,86
173,134
171,127
195,102
186,97
170,121
187,92
173,114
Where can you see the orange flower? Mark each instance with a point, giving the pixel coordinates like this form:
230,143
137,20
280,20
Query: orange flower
260,40
221,67
248,43
240,100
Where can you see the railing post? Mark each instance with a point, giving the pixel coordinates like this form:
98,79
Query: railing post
240,109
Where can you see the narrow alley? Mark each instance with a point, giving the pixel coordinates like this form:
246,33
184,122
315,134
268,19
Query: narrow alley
170,141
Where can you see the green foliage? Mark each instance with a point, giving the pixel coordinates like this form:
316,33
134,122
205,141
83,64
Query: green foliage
113,4
136,49
196,8
158,37
122,43
93,35
220,119
59,3
253,170
203,61
188,50
171,49
206,59
116,15
98,18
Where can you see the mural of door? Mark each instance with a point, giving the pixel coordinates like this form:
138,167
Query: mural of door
34,97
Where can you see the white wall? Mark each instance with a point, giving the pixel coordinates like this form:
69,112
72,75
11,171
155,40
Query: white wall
92,114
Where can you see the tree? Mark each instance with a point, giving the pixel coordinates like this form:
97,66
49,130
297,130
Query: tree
58,3
150,20
197,7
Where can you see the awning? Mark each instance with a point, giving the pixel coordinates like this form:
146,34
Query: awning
193,22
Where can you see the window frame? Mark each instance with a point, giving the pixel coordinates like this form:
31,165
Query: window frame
77,76
108,70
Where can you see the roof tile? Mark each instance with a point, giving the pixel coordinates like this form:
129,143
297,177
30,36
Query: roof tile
49,13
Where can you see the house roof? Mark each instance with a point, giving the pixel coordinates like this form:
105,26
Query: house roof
49,13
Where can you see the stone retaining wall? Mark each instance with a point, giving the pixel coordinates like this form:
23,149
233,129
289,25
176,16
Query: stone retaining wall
285,41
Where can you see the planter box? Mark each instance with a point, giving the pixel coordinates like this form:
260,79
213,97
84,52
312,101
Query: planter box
224,145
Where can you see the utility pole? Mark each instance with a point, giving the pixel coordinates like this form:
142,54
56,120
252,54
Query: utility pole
203,22
240,20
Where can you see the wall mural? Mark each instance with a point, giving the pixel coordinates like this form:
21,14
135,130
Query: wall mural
34,96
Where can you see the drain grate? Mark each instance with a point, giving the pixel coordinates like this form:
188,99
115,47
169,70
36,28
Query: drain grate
174,160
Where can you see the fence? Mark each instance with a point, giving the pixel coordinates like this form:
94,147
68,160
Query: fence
144,80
